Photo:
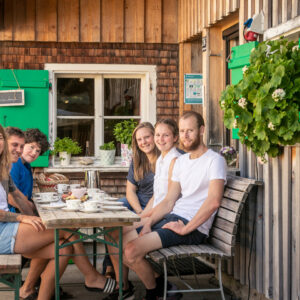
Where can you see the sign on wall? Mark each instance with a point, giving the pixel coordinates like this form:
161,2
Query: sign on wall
193,89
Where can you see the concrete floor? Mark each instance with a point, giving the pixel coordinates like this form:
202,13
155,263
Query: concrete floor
72,282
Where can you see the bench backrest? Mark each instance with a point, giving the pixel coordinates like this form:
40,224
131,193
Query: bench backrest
224,229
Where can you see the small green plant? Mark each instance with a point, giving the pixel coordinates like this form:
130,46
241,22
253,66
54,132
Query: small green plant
265,104
123,131
66,145
108,146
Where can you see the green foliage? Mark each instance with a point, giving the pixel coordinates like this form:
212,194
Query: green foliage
66,145
123,131
108,146
265,104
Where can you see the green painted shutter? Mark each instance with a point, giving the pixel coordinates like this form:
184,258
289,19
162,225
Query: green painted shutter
35,112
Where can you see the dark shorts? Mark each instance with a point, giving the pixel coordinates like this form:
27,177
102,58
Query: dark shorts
170,238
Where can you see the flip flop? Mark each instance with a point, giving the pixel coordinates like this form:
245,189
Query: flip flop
109,287
32,296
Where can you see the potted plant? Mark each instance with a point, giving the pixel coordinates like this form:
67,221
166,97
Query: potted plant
123,133
65,148
265,104
107,153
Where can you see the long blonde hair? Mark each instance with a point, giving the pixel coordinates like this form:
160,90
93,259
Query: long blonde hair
4,158
141,163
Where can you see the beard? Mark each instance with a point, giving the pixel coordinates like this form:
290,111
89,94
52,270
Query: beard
193,146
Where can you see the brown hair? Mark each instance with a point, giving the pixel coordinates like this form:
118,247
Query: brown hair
171,124
4,158
14,131
197,116
141,163
36,136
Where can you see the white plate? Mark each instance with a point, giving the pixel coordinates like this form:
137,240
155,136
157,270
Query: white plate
54,205
111,203
70,209
47,200
111,198
90,211
116,208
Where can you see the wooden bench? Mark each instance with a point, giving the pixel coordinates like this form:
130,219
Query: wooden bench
220,243
10,272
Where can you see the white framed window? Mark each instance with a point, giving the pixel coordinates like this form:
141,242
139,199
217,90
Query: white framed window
86,100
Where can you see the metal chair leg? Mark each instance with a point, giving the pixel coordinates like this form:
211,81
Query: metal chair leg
17,285
165,279
220,279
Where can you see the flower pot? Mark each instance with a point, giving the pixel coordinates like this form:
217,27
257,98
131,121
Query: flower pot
64,158
107,157
126,155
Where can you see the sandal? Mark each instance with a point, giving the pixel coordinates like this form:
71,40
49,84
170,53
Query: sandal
110,274
109,287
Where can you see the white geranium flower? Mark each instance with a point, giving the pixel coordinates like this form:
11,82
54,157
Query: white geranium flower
262,159
245,69
271,126
223,104
242,102
253,49
295,48
278,94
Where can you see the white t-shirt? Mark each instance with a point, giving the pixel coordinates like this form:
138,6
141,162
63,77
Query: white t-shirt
160,185
3,198
194,176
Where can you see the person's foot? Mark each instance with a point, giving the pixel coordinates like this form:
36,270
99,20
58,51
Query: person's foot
128,294
110,272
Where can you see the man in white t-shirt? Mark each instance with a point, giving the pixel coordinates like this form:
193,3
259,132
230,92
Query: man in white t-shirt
187,212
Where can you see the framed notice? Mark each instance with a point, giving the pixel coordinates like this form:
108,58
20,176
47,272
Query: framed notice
193,88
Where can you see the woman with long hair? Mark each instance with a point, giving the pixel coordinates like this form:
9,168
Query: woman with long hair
27,235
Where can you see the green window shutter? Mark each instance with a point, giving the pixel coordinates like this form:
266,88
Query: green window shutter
35,112
240,57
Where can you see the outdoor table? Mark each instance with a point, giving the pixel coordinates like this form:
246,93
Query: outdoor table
59,219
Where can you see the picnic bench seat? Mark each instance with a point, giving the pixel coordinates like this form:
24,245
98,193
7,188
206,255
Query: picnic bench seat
221,242
10,271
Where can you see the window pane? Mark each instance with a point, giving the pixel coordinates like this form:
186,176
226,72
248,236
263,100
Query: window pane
122,96
75,97
109,133
78,130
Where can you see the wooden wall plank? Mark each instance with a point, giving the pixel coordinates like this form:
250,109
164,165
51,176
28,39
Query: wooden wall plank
24,20
7,32
295,255
90,20
112,21
196,18
268,232
181,77
208,12
135,21
68,20
46,20
275,13
284,11
170,21
153,21
243,16
295,7
277,230
268,14
199,26
187,68
227,7
286,220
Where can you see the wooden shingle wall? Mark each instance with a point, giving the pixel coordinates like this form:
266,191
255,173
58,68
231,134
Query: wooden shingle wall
113,21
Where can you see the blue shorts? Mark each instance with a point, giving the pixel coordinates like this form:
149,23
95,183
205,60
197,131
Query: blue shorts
170,238
8,232
126,204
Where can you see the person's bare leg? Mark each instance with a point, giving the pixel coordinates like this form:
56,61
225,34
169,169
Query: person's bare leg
37,266
134,257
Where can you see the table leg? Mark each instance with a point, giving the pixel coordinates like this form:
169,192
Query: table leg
56,257
94,249
121,262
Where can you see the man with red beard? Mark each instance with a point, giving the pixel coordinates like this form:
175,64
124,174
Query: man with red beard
186,214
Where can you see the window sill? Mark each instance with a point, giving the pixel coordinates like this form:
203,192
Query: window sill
76,166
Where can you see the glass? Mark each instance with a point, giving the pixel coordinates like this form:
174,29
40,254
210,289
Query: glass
82,130
122,96
75,96
109,125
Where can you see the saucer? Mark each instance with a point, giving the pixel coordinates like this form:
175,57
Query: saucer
90,211
111,203
47,200
69,209
54,205
115,208
111,198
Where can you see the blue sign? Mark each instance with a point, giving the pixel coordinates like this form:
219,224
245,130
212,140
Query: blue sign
193,89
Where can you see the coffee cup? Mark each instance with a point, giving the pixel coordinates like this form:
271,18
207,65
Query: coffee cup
73,204
74,186
98,197
90,205
62,188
